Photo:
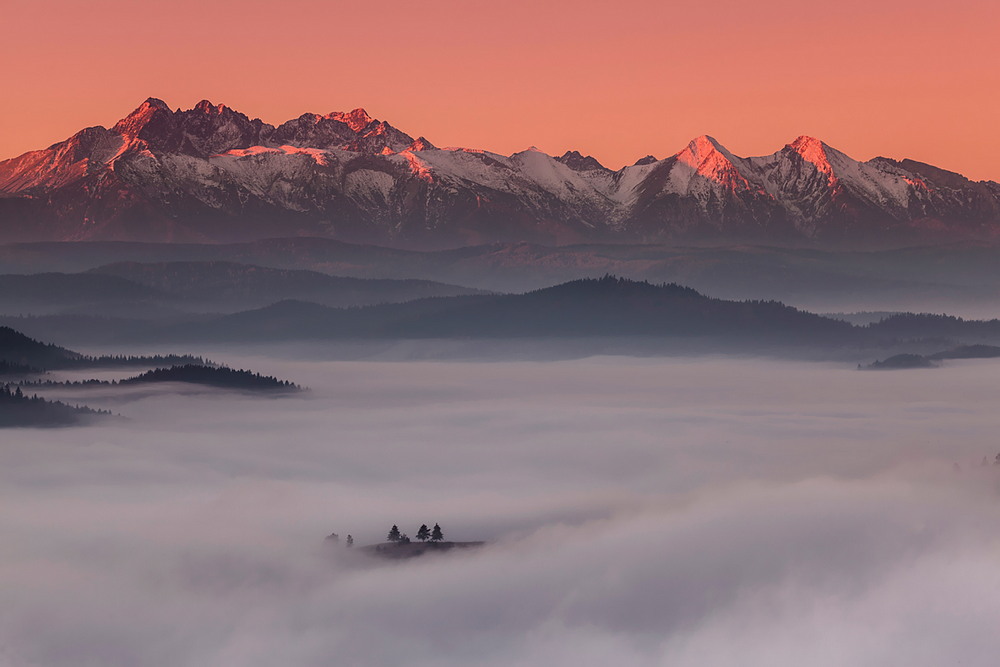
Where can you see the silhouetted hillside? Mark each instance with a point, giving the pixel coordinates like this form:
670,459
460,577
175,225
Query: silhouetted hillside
403,551
20,350
18,409
21,355
938,277
901,361
44,291
230,283
214,376
130,360
8,369
617,307
909,360
968,352
910,325
584,308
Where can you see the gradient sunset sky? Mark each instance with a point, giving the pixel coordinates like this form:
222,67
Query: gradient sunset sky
616,80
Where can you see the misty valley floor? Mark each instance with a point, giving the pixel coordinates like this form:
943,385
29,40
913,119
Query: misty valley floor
665,511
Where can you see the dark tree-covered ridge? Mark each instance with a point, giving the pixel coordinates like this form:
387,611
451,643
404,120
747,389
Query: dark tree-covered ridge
20,350
9,369
910,360
23,354
19,409
593,307
214,376
126,360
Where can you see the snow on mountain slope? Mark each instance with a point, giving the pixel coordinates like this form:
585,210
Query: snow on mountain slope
813,180
705,163
211,172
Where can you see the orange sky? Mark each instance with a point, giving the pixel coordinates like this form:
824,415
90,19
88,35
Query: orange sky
616,79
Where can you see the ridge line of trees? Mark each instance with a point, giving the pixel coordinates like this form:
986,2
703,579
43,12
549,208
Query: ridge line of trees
423,534
217,376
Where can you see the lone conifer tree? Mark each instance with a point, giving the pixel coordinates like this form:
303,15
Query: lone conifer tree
393,535
436,534
423,533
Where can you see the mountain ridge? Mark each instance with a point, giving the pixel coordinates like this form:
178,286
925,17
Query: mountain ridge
213,174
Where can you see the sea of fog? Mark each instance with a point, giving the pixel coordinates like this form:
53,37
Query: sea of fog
701,511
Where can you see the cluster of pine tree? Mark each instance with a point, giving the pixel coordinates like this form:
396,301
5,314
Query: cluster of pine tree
117,360
13,368
423,534
67,383
214,376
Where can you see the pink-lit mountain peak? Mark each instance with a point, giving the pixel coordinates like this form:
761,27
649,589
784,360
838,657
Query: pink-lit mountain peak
705,144
815,152
131,124
153,103
421,144
357,120
713,161
707,152
174,167
805,142
205,106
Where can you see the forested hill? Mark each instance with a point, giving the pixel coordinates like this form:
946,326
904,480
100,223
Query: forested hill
20,355
604,307
19,409
613,306
21,351
925,325
214,376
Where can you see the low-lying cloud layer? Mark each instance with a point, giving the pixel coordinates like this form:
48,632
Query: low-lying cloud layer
639,511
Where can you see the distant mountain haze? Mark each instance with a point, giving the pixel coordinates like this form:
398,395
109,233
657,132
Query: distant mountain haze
960,278
213,174
168,288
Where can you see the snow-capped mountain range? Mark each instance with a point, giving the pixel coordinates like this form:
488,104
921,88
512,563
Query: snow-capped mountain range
213,174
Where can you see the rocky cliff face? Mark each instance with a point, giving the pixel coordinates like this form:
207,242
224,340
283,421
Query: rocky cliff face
213,174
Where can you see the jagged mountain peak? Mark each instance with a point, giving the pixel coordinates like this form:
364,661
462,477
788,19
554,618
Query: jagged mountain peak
815,152
205,129
809,147
421,144
804,141
710,159
940,176
160,174
154,102
705,145
579,162
206,106
707,155
132,124
357,120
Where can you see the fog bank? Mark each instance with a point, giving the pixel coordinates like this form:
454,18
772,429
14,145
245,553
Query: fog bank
708,511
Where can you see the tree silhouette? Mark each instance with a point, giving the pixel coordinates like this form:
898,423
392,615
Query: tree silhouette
393,535
423,533
350,541
436,534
